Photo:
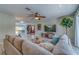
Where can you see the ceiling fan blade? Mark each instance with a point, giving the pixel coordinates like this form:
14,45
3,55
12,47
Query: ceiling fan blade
28,9
41,16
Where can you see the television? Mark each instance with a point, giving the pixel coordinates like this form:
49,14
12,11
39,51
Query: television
50,28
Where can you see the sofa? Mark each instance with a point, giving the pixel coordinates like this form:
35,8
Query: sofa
14,45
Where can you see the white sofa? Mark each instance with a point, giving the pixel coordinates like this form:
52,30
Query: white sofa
16,46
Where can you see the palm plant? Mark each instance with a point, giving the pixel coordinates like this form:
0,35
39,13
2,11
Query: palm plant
67,22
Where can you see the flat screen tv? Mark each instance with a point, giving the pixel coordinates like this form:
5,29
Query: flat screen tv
50,28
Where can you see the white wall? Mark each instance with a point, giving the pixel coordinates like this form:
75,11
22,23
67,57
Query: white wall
7,25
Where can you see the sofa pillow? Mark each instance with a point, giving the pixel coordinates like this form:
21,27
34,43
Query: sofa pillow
9,49
11,39
18,43
55,40
38,40
64,46
47,45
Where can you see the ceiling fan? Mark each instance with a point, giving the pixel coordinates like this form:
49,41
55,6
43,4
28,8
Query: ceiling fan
35,15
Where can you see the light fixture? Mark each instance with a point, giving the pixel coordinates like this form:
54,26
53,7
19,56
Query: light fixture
37,18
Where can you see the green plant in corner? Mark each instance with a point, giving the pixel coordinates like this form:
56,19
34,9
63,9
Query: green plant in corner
67,22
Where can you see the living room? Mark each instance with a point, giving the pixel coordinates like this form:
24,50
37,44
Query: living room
38,23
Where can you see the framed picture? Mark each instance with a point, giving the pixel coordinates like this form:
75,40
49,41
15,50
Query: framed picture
30,29
39,26
50,28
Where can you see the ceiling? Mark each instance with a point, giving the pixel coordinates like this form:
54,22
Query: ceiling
48,10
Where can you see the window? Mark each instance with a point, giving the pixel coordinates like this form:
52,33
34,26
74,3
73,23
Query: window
20,29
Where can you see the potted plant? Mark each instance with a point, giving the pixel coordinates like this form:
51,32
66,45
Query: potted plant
67,22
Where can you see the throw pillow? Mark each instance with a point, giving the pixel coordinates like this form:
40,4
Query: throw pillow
39,40
55,40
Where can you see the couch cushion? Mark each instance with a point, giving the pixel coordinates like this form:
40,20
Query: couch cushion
29,48
10,49
11,39
18,43
55,40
